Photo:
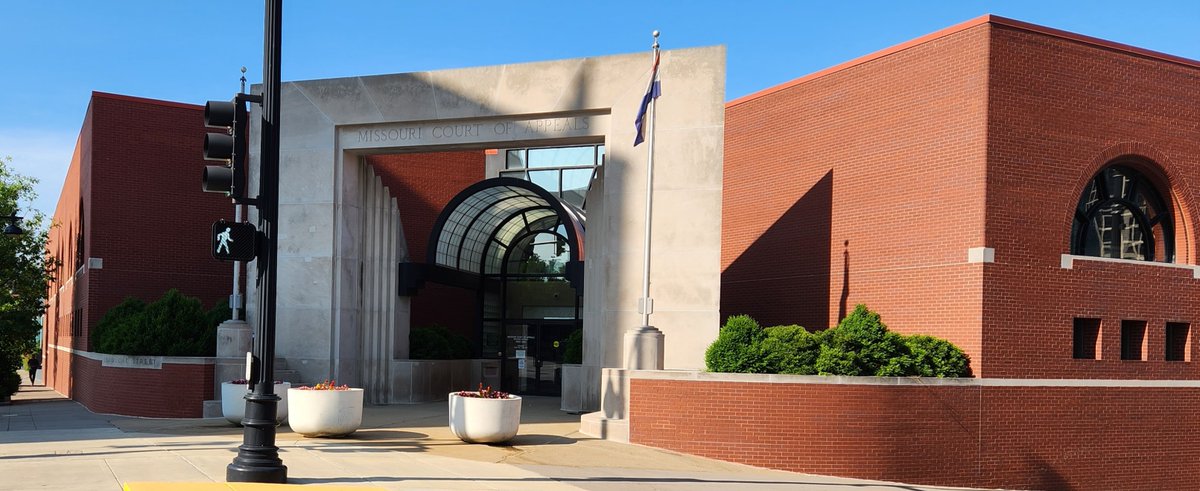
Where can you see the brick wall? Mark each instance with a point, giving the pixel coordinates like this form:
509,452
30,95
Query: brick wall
1059,111
423,184
863,184
1037,437
62,244
879,186
132,199
173,391
147,217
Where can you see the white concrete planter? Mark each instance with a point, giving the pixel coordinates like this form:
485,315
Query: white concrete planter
479,420
325,412
233,402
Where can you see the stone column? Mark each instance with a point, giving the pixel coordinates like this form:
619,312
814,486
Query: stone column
233,341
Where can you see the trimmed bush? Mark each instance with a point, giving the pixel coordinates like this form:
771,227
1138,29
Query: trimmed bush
180,325
173,325
738,348
437,343
791,350
221,313
935,357
119,327
860,345
10,382
573,347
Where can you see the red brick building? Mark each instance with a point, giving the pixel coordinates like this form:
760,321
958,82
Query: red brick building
939,182
131,221
1026,193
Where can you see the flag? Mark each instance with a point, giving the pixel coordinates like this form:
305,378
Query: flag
652,92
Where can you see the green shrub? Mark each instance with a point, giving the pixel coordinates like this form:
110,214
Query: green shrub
181,326
935,357
791,350
738,348
437,343
173,325
120,330
10,382
219,313
859,345
573,347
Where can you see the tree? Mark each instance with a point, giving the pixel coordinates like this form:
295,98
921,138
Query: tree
25,273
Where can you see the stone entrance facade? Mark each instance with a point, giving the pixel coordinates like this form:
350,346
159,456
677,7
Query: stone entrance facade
333,324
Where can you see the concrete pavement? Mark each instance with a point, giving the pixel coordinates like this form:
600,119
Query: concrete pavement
49,442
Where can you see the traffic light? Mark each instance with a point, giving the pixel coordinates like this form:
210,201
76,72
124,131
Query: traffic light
228,146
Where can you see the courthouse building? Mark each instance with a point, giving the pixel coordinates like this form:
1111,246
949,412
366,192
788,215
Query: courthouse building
1026,193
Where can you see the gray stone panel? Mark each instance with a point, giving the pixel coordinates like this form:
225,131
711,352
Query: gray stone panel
543,84
402,97
341,100
304,283
306,230
306,176
304,333
301,124
467,92
684,160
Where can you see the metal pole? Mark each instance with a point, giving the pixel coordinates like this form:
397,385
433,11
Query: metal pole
258,457
647,303
235,300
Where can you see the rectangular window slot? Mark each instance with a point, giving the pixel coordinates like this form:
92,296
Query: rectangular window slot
1087,339
1133,340
1179,341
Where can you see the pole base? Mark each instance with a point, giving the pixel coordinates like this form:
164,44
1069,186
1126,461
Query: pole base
261,474
258,457
644,348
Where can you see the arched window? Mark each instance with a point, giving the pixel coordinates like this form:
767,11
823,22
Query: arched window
1121,215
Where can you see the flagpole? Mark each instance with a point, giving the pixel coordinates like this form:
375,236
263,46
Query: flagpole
647,305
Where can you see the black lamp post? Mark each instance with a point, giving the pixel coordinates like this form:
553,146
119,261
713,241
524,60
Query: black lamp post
12,227
258,456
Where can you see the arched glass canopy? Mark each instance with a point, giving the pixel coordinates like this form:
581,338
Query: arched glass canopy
478,227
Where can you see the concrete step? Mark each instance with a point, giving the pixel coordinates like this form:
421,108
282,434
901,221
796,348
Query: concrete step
596,425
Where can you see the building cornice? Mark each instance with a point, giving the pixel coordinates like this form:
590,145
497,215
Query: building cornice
976,22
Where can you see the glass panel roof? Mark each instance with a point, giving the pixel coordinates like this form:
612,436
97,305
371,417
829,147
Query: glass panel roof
481,227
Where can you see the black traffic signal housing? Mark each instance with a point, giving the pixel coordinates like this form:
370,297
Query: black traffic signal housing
234,241
229,146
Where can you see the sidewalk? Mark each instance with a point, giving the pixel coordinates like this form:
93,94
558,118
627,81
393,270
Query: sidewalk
49,442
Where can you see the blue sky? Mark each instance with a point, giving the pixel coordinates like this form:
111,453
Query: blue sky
54,53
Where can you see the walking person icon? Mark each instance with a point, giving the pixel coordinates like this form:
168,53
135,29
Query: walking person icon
223,240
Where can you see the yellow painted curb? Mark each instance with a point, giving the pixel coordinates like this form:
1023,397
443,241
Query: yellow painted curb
236,486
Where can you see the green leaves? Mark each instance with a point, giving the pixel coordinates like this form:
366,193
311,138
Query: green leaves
437,343
573,347
173,325
25,274
860,345
738,347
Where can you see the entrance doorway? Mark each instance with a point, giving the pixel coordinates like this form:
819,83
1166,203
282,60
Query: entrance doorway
533,356
520,247
537,309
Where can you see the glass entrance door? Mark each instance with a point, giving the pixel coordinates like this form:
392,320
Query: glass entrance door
533,352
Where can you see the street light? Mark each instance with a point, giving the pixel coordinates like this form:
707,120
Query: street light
12,228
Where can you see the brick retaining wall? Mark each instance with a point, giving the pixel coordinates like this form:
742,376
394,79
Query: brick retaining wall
152,386
993,433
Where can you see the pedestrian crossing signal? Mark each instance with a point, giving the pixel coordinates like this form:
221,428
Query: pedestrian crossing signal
234,241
